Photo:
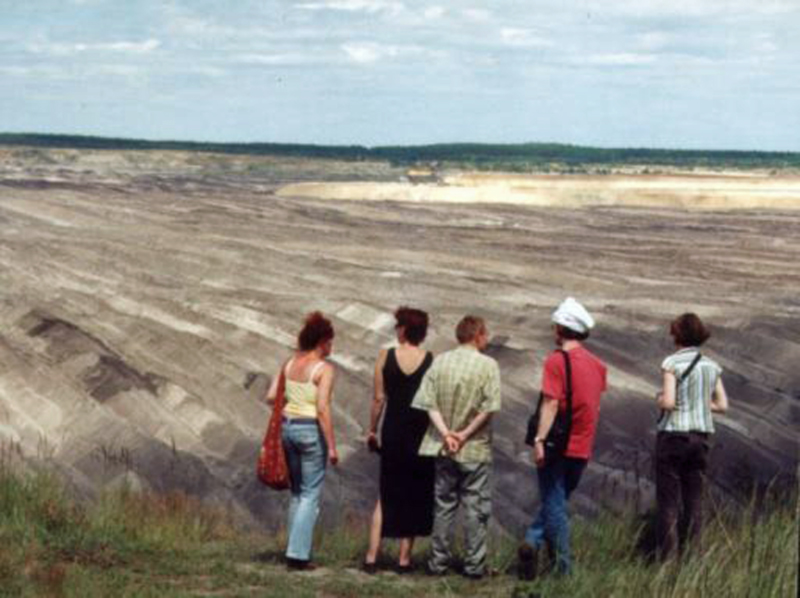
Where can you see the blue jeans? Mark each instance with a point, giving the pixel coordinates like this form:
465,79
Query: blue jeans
306,456
557,480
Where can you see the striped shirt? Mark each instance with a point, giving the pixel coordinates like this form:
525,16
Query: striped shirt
692,412
460,384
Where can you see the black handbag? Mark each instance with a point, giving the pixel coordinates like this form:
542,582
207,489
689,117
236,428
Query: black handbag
555,444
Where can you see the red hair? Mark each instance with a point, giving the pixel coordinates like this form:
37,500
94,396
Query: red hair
316,330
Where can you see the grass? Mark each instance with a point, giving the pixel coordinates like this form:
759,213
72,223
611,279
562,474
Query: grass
129,544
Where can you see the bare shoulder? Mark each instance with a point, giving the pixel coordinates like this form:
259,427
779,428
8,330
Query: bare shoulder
326,371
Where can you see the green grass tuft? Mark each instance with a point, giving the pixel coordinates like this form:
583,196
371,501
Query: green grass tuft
129,544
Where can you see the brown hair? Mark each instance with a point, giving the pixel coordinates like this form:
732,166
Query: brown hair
414,323
570,334
316,330
689,331
468,328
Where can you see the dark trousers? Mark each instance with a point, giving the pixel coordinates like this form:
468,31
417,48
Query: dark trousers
681,461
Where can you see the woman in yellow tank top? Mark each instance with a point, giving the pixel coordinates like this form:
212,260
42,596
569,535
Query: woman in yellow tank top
308,438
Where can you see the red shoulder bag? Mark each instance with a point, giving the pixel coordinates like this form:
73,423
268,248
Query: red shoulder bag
272,469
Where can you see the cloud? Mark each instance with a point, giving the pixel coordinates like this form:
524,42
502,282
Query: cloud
208,71
276,59
369,6
371,52
59,72
514,36
480,15
69,49
434,12
653,40
689,8
368,52
619,59
765,44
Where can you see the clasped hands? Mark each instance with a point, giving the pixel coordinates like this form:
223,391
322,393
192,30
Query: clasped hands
453,441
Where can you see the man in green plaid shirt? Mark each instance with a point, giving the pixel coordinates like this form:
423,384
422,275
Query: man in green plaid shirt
460,392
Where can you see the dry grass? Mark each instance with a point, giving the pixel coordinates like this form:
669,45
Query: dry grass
131,544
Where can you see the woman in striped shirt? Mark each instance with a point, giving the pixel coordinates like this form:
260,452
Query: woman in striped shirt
692,391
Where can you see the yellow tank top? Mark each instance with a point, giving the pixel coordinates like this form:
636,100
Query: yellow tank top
301,397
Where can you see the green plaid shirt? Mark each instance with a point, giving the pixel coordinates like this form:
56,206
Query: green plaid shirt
460,384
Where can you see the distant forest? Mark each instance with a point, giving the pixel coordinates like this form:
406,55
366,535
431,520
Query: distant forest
475,155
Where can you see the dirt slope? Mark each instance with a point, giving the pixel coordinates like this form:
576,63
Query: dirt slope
146,299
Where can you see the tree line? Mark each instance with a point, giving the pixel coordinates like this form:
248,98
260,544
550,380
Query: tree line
476,155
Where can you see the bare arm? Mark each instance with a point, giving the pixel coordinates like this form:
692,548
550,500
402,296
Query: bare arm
719,399
451,442
547,415
666,398
438,422
324,392
476,424
378,396
272,392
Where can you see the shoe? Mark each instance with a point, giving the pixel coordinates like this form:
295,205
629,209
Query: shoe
403,569
527,563
299,565
434,573
369,568
474,576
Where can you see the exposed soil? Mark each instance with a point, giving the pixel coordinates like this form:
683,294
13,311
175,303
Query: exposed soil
147,298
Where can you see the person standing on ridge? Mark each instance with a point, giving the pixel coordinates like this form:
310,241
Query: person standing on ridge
572,376
692,391
460,392
405,507
308,438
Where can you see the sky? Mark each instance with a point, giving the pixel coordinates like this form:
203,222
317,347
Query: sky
695,74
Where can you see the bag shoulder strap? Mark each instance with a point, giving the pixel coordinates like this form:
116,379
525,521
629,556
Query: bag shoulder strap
692,365
567,378
678,381
280,393
568,383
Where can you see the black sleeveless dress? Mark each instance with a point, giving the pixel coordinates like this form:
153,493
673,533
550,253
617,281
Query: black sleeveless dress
406,480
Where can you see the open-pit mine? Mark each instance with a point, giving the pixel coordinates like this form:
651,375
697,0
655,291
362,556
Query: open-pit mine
146,299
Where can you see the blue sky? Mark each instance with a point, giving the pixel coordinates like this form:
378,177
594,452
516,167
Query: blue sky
721,74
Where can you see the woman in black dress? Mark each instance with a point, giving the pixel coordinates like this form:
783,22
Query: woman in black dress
405,507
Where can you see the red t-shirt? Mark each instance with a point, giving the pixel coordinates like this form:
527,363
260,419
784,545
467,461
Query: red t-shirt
588,383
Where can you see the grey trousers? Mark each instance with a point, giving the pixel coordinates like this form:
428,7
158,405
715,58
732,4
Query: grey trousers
464,484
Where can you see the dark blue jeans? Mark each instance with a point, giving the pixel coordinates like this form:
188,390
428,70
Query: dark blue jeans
557,479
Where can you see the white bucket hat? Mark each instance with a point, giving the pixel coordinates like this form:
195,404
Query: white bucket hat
571,314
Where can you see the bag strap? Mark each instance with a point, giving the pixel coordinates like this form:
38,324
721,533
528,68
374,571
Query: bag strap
688,371
678,382
567,390
568,382
280,392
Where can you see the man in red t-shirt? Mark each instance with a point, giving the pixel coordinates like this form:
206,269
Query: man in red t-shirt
559,474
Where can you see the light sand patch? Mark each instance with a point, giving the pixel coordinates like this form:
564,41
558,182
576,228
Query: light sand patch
140,310
703,192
